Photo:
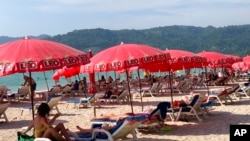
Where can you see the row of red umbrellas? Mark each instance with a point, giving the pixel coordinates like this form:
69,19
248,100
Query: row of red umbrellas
242,65
30,55
111,60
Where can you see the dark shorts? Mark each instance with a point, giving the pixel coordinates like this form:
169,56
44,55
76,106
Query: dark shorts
33,87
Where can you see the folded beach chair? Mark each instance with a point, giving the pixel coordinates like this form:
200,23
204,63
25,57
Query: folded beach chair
3,108
121,130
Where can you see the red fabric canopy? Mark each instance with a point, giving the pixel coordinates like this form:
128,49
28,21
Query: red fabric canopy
124,56
32,55
215,59
182,59
66,72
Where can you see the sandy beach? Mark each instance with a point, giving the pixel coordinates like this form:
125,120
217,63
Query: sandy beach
214,127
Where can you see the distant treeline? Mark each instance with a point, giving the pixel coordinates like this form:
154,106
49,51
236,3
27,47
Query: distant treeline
229,39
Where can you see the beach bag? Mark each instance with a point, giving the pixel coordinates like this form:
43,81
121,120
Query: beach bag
24,137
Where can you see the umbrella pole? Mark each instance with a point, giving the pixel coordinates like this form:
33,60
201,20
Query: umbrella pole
31,97
130,96
171,89
46,80
140,89
115,79
207,81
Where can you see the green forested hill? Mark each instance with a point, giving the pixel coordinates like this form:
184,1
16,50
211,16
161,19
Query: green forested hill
229,39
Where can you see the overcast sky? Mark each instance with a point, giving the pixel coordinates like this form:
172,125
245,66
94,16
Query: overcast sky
35,17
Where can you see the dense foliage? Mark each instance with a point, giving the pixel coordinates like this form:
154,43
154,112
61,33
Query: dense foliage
229,40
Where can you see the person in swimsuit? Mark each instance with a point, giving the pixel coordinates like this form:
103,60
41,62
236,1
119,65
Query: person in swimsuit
29,81
43,127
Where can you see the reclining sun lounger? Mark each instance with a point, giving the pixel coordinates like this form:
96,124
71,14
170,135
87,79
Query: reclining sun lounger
124,127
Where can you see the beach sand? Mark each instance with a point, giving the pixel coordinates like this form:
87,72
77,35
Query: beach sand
214,127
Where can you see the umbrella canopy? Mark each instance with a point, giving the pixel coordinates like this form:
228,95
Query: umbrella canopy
182,59
239,65
66,72
124,56
246,58
32,55
215,59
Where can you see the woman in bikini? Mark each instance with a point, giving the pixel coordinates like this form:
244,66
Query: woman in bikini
43,127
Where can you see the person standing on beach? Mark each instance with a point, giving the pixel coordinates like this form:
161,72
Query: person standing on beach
29,81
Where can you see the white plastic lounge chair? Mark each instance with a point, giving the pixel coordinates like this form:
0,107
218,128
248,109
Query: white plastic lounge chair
124,96
192,109
219,97
124,127
86,101
22,92
3,108
244,90
42,139
150,91
4,93
53,102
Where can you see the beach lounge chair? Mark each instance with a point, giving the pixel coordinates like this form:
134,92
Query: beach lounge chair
53,102
3,108
150,91
22,92
158,89
87,101
42,139
121,130
243,91
4,93
67,90
192,109
219,97
123,97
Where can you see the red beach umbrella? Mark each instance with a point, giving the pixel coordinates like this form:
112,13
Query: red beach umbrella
239,65
33,55
215,59
124,56
182,59
246,58
66,72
